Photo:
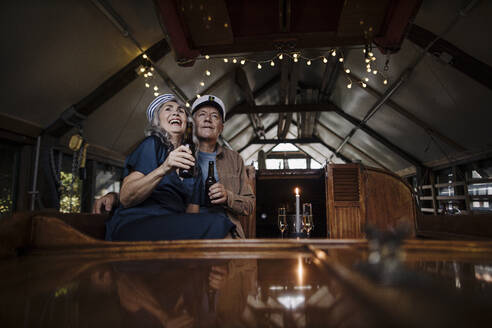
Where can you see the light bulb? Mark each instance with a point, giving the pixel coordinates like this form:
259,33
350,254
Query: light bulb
281,56
347,71
373,58
198,95
243,62
207,72
370,54
375,72
367,60
349,86
364,85
149,74
226,60
296,60
259,66
308,63
152,69
147,85
340,59
272,63
156,94
156,88
368,70
364,50
202,83
334,53
368,65
144,56
385,81
207,57
366,79
325,60
234,60
142,70
145,75
187,104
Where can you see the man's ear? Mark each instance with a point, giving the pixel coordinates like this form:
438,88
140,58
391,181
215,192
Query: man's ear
221,128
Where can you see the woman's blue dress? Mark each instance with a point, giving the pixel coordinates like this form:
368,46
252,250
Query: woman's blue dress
162,215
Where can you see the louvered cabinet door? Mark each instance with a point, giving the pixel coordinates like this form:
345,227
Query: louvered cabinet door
344,201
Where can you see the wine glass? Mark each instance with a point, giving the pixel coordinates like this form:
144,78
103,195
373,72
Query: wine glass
282,220
307,218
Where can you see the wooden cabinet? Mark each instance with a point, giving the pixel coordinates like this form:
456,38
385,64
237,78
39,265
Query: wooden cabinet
358,196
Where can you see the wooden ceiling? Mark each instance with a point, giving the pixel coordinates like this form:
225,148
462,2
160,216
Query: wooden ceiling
232,26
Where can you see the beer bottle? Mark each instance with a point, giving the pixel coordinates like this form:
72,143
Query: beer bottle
209,182
188,141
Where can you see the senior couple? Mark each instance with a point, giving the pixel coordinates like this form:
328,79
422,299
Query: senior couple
155,203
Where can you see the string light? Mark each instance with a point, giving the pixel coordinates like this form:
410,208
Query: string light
156,88
145,75
144,56
156,94
147,85
149,74
296,56
152,69
187,104
198,95
142,69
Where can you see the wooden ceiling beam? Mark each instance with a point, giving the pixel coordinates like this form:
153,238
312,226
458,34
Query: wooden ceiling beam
106,90
357,149
246,109
411,117
449,53
263,89
391,146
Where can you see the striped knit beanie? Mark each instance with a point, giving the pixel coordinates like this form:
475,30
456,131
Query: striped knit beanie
157,102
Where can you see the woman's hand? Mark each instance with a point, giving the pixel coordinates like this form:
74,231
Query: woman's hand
180,157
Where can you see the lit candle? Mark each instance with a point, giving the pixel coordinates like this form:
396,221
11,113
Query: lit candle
298,211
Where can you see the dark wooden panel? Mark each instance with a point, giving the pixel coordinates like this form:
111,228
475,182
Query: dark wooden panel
389,201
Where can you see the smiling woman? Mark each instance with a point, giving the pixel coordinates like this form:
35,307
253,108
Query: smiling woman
156,204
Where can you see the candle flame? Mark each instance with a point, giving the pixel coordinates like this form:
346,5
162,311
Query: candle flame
297,191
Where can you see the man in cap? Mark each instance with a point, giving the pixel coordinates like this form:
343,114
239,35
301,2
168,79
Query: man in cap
232,193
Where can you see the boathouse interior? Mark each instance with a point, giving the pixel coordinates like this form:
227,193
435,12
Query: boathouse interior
377,113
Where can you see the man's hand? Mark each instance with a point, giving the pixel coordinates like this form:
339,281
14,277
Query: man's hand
218,194
106,203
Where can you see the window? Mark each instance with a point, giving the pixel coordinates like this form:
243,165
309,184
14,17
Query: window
108,179
9,155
